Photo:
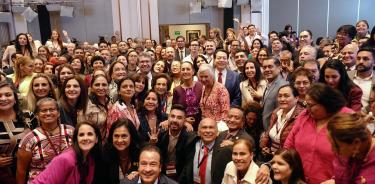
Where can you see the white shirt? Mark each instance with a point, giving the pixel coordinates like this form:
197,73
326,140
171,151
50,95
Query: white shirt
223,76
199,146
366,86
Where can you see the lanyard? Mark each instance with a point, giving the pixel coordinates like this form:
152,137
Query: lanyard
50,142
204,156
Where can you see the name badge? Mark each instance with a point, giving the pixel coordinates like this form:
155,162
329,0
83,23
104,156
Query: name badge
171,169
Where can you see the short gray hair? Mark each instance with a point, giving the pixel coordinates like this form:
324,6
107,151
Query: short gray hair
208,68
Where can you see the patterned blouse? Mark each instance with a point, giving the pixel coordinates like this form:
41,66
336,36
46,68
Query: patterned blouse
38,144
216,104
120,110
10,134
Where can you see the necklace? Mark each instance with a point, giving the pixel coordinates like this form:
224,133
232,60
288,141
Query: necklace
50,142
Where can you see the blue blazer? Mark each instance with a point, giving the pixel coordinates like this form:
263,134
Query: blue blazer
232,83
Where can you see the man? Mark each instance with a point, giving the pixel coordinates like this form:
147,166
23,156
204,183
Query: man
106,55
307,52
114,50
234,46
169,56
145,65
149,168
276,47
240,58
349,54
173,141
103,45
271,71
210,48
206,160
70,48
78,52
252,34
314,67
181,51
286,64
364,75
193,46
123,47
235,123
230,79
148,45
271,36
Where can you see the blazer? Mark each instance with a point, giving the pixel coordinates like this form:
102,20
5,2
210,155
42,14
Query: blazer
354,98
220,158
177,54
232,83
269,101
163,142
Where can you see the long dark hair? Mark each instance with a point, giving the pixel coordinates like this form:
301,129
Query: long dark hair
258,72
95,153
27,46
16,106
82,99
292,157
120,99
345,84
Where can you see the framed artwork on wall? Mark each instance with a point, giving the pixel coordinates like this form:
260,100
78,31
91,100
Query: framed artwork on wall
192,34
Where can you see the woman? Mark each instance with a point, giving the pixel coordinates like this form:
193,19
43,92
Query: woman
242,169
44,52
38,64
309,133
215,97
116,72
49,69
141,84
14,127
150,116
23,74
355,148
175,75
262,55
64,72
35,44
97,62
79,164
362,28
198,61
189,94
161,84
287,167
334,74
97,106
282,120
158,49
253,86
22,46
73,101
215,34
78,66
124,107
159,67
302,80
55,44
41,145
257,43
122,151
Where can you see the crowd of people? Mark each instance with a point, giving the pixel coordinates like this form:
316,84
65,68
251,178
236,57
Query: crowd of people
249,108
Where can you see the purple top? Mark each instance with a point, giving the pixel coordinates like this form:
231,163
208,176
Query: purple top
189,98
63,169
356,171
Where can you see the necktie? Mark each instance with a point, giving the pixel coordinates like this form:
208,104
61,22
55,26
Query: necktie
220,78
203,164
181,55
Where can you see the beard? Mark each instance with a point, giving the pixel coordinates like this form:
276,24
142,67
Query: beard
363,68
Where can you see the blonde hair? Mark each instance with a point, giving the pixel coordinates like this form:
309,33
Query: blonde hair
31,99
23,60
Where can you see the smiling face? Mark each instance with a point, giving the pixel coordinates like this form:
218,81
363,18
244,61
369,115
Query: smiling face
187,71
270,70
159,67
151,102
27,68
145,64
38,66
242,157
86,138
302,84
48,113
250,70
207,130
176,120
7,99
286,99
149,166
65,73
127,89
41,87
119,71
221,61
77,65
100,86
161,86
72,89
235,119
361,28
121,138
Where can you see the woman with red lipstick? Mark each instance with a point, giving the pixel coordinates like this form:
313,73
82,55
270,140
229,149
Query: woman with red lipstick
282,121
97,106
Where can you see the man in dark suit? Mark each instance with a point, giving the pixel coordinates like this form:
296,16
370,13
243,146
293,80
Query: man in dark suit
172,142
181,51
271,71
227,77
149,168
206,160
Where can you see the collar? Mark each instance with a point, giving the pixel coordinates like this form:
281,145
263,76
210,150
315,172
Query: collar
367,78
210,145
174,137
250,174
140,182
223,71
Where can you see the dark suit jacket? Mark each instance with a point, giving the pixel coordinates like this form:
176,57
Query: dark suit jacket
241,134
220,158
232,83
269,101
163,141
162,180
177,54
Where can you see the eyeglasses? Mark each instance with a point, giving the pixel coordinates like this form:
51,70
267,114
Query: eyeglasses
45,111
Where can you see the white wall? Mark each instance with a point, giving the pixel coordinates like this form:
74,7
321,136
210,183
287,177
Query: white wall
184,28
